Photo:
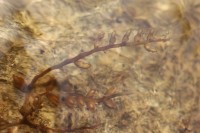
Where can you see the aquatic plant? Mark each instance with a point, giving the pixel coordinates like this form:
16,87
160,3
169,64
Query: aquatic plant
34,102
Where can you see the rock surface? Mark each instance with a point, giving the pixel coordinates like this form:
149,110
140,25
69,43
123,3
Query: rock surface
164,85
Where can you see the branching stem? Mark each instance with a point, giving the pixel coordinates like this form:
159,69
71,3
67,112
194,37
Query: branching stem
83,55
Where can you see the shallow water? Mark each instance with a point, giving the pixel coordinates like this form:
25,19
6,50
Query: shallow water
159,80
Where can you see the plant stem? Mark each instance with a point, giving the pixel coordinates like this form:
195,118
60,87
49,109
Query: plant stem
83,55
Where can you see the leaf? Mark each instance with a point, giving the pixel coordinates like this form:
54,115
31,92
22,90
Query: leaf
138,37
37,102
80,101
49,88
91,104
51,84
110,91
53,98
82,64
70,101
90,93
112,38
148,49
126,36
109,103
150,36
19,82
100,36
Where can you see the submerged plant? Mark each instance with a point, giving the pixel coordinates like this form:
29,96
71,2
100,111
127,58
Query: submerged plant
33,102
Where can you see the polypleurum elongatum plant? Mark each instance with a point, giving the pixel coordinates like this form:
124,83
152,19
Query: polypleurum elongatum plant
34,102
